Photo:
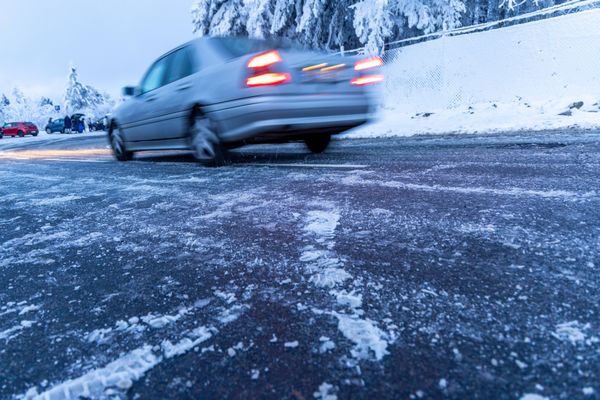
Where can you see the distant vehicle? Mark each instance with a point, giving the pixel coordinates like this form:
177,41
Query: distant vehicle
20,129
57,125
217,93
99,125
1,134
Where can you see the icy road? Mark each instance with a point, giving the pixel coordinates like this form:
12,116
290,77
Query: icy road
427,267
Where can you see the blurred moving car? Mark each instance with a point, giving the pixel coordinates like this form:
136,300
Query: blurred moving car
20,129
57,125
216,93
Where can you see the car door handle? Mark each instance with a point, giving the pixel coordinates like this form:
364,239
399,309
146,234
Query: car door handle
183,87
150,99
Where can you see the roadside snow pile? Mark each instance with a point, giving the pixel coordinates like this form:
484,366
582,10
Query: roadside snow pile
538,75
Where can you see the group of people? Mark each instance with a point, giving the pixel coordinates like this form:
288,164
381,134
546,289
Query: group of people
75,125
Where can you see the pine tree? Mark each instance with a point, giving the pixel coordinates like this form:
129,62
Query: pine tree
334,24
83,98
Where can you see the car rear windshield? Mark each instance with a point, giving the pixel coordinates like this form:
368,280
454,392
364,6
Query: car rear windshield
238,47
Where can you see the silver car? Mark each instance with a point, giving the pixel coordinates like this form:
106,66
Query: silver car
212,94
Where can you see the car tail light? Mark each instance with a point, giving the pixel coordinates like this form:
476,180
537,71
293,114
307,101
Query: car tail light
265,60
369,63
268,79
367,80
262,71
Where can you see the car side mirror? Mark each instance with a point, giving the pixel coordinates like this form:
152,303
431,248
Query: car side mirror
130,91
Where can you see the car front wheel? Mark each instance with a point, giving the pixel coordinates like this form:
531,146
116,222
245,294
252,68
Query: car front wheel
318,143
205,142
117,143
21,134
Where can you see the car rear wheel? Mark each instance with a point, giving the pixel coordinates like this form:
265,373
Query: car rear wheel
117,143
49,131
205,142
318,143
21,134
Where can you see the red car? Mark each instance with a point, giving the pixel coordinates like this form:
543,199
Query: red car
20,129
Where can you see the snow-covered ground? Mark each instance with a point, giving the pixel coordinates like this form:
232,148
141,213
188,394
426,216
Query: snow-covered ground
539,75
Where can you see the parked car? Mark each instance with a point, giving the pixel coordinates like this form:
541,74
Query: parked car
57,125
217,93
19,129
1,133
99,125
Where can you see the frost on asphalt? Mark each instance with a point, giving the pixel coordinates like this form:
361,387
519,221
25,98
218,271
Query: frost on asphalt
117,277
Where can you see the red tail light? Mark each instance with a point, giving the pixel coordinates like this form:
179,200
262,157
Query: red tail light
265,60
367,80
369,63
262,73
268,79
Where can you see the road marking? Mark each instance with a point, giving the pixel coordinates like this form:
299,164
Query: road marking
349,166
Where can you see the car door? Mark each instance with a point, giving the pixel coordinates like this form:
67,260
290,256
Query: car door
175,101
10,129
142,111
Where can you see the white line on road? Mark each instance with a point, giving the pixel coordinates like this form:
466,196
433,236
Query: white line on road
350,166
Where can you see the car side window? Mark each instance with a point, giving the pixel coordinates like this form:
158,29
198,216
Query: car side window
180,65
155,76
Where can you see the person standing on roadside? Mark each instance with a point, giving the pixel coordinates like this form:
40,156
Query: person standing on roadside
68,124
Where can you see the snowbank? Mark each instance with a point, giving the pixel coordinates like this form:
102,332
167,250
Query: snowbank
519,77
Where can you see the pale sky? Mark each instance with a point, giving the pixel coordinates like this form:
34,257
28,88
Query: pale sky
111,42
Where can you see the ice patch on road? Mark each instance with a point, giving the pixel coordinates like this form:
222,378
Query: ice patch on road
326,392
326,270
516,192
533,396
58,200
330,277
365,334
13,332
119,374
322,224
200,334
574,332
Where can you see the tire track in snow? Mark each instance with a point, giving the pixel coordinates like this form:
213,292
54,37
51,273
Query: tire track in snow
326,269
118,376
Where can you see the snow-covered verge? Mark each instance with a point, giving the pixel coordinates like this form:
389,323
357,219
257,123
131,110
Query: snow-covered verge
538,75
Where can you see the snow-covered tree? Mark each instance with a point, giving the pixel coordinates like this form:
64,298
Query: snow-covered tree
4,103
84,98
373,23
326,23
335,24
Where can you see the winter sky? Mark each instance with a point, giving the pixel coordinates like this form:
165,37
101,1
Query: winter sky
111,42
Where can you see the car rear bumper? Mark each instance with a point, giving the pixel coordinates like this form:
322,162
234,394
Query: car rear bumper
272,117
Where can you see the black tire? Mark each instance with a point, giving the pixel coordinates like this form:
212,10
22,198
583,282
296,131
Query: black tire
21,134
34,134
317,143
205,142
117,144
49,131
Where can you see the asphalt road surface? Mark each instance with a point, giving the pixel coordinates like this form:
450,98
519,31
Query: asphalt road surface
427,267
